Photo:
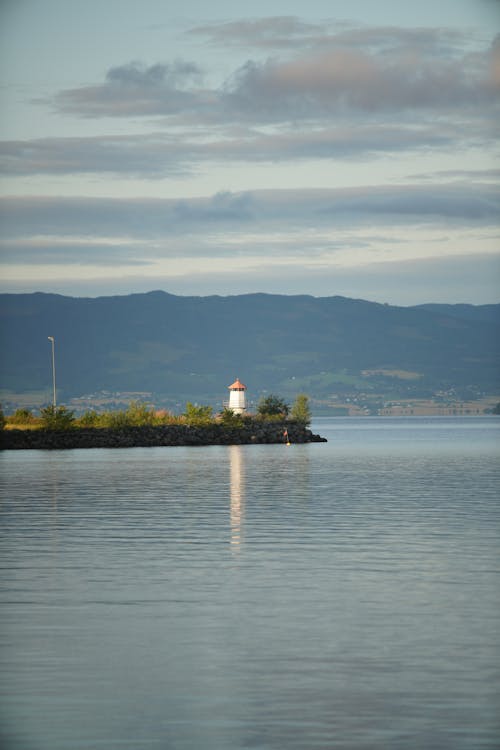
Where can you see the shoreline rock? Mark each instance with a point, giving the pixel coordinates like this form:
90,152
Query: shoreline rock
157,436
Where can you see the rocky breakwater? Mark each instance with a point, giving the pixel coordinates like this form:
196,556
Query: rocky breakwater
166,435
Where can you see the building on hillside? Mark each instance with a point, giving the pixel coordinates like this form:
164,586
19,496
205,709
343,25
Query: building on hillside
237,398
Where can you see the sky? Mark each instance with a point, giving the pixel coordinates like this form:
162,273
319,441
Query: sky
322,148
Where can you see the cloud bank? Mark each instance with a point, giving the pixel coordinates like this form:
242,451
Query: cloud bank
445,205
299,97
380,241
157,155
348,94
371,72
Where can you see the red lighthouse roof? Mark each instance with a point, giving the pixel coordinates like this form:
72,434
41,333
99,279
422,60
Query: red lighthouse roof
237,386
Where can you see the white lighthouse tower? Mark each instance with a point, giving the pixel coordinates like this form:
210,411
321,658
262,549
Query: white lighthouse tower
237,400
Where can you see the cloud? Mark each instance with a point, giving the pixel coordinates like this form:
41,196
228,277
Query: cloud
494,63
152,155
156,155
341,80
445,205
70,251
108,217
443,202
461,174
276,31
223,207
281,32
362,71
135,89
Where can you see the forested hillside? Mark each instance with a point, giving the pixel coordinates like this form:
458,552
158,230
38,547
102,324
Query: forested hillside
194,346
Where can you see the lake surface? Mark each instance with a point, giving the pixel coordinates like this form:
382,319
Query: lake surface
334,596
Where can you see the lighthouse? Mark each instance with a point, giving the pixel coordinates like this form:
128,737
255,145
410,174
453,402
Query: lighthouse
237,400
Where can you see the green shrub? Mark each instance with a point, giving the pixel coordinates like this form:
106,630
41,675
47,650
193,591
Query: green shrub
272,408
89,418
197,415
139,414
116,420
167,418
300,411
21,416
228,418
57,418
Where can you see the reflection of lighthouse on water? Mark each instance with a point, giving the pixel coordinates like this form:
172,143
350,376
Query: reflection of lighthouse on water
237,487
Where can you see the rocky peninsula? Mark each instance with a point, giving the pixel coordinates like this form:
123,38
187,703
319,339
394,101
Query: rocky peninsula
158,435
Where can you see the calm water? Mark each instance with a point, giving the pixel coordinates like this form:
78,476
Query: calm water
335,596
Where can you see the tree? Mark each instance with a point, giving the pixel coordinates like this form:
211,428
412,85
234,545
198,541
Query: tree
272,406
2,419
57,418
301,411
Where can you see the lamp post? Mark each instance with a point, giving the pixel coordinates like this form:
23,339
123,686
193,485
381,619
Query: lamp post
51,338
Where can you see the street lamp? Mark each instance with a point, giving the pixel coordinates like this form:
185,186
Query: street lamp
51,338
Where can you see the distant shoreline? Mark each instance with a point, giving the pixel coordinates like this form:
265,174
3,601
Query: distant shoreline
157,436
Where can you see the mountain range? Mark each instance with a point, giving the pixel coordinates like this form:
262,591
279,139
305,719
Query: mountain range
193,347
